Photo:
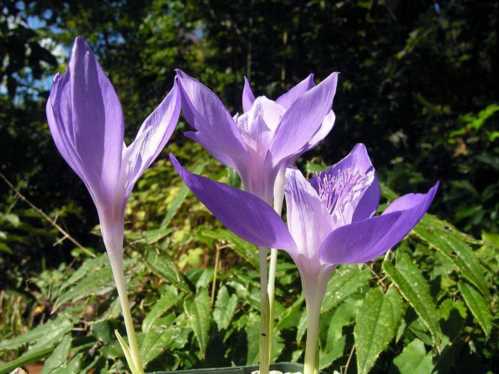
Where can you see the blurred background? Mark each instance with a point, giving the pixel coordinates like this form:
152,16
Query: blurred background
419,85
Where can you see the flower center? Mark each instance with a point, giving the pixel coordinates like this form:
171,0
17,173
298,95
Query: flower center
341,191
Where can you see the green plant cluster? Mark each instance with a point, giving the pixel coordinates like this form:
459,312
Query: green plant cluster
418,86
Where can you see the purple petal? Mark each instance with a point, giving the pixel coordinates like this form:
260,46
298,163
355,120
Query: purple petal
325,128
216,130
96,118
248,96
303,119
59,120
351,244
154,133
369,202
342,185
308,219
241,212
287,99
411,207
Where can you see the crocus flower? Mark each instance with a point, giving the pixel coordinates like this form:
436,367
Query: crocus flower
260,144
330,221
268,136
87,125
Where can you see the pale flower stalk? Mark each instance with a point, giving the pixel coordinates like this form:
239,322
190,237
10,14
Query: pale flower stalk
86,122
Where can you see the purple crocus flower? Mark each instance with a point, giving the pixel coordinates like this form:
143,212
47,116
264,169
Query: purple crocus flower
330,221
268,136
87,125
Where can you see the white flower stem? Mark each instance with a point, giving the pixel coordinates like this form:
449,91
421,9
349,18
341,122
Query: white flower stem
265,336
313,317
278,201
119,280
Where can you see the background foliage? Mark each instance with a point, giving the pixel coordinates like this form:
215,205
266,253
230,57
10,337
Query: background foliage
418,86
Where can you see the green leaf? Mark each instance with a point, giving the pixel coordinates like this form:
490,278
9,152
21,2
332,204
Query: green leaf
45,334
168,299
225,307
88,266
290,316
416,291
414,359
446,241
336,340
477,305
58,357
32,355
180,197
164,335
252,338
97,280
198,313
346,281
376,324
245,250
166,269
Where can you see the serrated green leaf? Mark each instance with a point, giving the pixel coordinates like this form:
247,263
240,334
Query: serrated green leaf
58,356
345,281
414,359
448,243
163,336
97,281
198,313
88,266
477,305
166,268
168,299
336,340
252,338
225,307
375,326
46,334
416,291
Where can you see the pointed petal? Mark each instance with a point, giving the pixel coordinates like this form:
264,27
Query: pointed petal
248,96
343,185
408,209
351,244
411,207
308,219
154,133
326,127
216,130
303,119
369,202
287,99
241,212
59,120
97,123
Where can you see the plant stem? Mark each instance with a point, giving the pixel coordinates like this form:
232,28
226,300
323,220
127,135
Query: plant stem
278,201
264,314
313,317
119,280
